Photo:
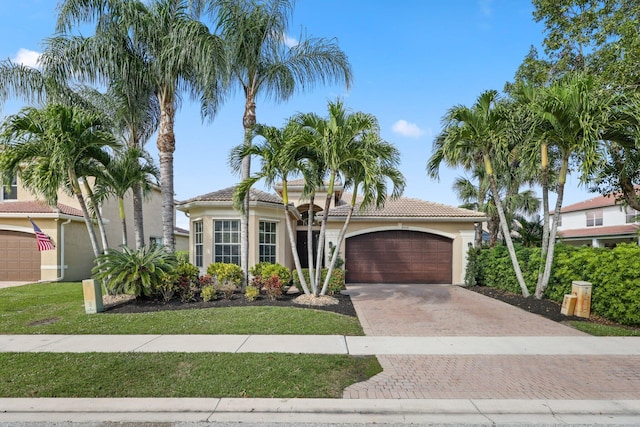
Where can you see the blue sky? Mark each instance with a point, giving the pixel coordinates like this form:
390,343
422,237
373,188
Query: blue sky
412,60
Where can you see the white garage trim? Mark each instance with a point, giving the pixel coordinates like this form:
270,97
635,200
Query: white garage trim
451,236
19,229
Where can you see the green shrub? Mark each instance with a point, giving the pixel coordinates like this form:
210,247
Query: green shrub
267,269
336,282
208,293
227,289
182,256
223,272
612,272
188,270
473,267
136,272
251,293
167,287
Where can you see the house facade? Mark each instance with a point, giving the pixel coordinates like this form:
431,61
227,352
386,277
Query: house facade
598,222
407,241
72,258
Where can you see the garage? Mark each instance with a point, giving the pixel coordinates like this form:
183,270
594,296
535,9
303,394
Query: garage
19,257
399,256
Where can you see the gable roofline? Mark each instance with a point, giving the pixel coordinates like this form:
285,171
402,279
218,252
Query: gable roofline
224,197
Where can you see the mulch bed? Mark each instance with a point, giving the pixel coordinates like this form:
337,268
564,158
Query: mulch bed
543,307
344,305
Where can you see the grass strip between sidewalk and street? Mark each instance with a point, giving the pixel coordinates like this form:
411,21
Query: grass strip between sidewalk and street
58,308
181,374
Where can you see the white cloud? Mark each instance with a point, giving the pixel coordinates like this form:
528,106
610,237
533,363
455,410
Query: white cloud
290,41
26,57
404,128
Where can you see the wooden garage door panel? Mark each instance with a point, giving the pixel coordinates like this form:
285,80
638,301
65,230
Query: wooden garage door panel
19,256
398,256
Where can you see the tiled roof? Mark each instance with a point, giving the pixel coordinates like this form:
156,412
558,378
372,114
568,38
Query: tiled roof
180,230
34,207
407,207
596,202
612,230
226,195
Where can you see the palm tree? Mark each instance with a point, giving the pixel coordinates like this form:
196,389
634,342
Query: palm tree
50,148
529,231
130,167
336,140
280,153
179,52
574,116
262,65
373,166
474,197
479,132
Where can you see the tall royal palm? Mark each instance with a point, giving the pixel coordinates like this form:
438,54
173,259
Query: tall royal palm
480,130
50,149
263,65
180,55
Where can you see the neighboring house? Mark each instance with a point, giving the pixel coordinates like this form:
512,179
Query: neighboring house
408,241
598,222
72,259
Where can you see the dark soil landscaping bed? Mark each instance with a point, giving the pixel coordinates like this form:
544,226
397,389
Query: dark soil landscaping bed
344,305
544,307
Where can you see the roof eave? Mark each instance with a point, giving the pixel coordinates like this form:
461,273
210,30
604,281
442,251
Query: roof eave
409,218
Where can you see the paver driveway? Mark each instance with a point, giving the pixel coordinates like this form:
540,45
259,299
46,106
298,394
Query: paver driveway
445,310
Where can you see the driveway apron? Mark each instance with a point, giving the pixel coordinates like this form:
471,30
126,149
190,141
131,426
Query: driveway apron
445,310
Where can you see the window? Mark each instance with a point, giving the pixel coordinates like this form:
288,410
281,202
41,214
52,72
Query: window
594,218
197,243
9,192
155,241
226,241
268,242
632,215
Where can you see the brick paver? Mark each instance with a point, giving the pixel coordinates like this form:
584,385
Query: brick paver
440,310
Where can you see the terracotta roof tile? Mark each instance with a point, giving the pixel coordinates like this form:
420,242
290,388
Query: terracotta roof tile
612,230
596,202
226,195
33,207
407,207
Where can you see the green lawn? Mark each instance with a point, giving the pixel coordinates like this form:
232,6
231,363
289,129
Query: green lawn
181,374
600,330
58,308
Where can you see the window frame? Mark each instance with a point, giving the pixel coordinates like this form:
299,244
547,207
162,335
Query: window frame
632,215
12,194
229,243
594,218
272,245
198,243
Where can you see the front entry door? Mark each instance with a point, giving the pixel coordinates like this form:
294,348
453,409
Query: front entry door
301,245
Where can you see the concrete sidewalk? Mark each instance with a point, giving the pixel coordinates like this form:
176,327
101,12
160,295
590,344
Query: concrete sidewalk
326,344
194,411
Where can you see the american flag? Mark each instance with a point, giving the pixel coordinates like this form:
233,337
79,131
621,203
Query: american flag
44,242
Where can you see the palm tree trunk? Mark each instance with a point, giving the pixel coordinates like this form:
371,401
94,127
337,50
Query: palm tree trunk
546,276
292,241
249,122
166,147
310,244
343,232
545,208
505,227
138,218
85,213
323,225
123,220
96,209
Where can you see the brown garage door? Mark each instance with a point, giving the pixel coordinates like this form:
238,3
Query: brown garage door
398,256
19,257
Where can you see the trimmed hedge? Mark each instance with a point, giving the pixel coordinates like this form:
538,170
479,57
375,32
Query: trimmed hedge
336,282
614,273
